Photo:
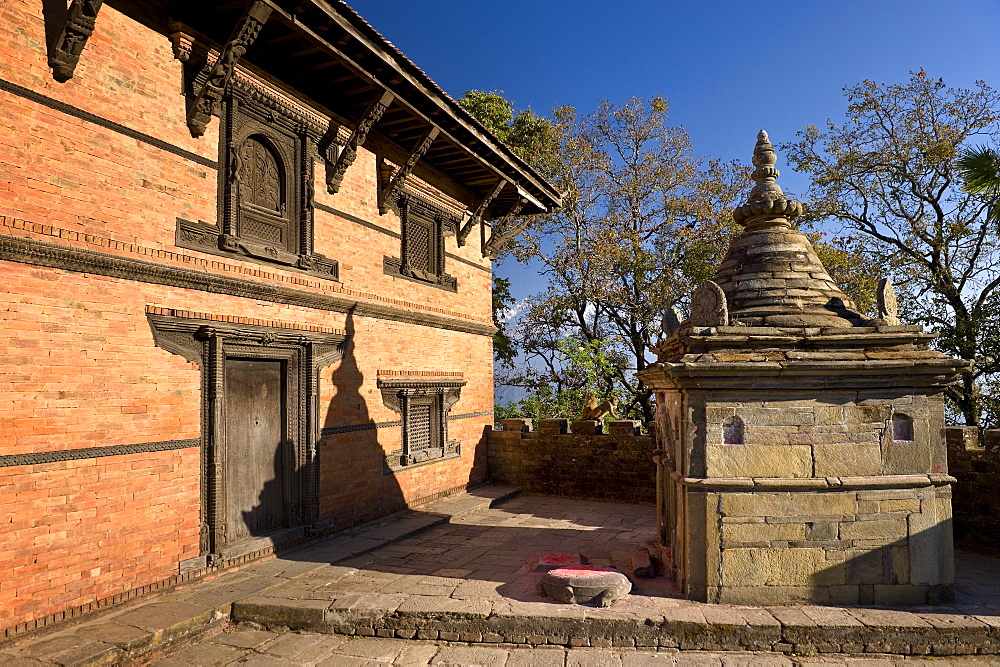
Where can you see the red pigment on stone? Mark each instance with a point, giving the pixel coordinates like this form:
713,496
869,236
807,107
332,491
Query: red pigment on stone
558,559
582,571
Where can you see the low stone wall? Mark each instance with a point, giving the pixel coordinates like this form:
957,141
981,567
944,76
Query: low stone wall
578,461
975,464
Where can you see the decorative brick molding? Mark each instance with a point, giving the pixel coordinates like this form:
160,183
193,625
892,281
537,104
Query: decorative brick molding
95,452
559,462
42,253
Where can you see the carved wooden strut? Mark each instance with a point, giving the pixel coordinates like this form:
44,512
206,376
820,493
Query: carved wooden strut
335,175
399,178
497,239
205,102
477,215
80,19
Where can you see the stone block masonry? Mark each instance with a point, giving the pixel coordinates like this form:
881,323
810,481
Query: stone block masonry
803,459
579,463
975,462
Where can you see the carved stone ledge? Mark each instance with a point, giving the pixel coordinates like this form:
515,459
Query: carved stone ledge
204,237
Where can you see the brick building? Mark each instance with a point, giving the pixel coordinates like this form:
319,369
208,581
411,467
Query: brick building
246,292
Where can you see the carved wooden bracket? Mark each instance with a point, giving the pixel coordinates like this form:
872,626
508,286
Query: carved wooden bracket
205,102
477,215
498,238
387,195
80,19
335,173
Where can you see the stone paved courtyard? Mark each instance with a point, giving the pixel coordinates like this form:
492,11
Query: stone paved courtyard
254,647
453,583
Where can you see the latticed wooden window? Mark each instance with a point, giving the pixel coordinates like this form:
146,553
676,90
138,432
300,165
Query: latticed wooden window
420,246
420,427
422,422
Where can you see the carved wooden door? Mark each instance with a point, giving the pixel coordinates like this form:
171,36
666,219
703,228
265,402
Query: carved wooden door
255,473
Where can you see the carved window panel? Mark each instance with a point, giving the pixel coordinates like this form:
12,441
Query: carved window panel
267,153
262,187
424,405
424,227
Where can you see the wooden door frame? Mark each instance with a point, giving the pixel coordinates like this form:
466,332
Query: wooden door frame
296,472
209,343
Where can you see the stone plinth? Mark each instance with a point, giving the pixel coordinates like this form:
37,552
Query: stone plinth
581,584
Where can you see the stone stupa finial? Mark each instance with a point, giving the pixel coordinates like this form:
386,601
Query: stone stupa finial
767,205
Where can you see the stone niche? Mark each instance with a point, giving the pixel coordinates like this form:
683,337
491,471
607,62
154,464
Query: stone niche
801,456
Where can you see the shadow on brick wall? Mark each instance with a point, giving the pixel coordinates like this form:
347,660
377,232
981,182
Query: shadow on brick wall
354,485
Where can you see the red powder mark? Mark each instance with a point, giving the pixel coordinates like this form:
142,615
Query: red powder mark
939,467
584,571
559,559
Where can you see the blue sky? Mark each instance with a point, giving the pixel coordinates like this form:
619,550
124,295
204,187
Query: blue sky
727,68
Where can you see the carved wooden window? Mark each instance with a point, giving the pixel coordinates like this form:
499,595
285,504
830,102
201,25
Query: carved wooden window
424,405
263,210
266,157
424,227
422,429
420,241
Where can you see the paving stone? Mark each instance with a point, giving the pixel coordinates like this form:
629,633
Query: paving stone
372,649
159,615
125,636
537,657
641,658
292,646
471,655
202,654
591,657
416,654
243,638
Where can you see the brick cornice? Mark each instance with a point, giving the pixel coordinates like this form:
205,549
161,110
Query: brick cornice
43,253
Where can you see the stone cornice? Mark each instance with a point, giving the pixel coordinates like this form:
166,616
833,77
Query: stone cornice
813,483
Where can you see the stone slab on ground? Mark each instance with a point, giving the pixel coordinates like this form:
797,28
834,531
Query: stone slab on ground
336,651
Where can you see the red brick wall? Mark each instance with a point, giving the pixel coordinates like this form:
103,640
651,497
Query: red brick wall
78,363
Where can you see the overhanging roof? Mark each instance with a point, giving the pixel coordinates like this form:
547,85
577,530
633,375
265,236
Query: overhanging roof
323,50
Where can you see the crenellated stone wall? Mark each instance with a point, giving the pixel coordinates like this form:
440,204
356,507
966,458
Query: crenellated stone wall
975,464
577,460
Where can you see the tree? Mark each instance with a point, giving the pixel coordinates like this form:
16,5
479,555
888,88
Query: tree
890,173
644,220
979,167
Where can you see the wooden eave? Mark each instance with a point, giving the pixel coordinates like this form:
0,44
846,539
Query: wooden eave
323,52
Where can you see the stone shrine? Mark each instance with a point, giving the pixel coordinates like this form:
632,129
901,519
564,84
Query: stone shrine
802,458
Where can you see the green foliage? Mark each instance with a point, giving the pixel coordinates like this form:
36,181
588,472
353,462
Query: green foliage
531,136
891,174
980,170
504,349
562,389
